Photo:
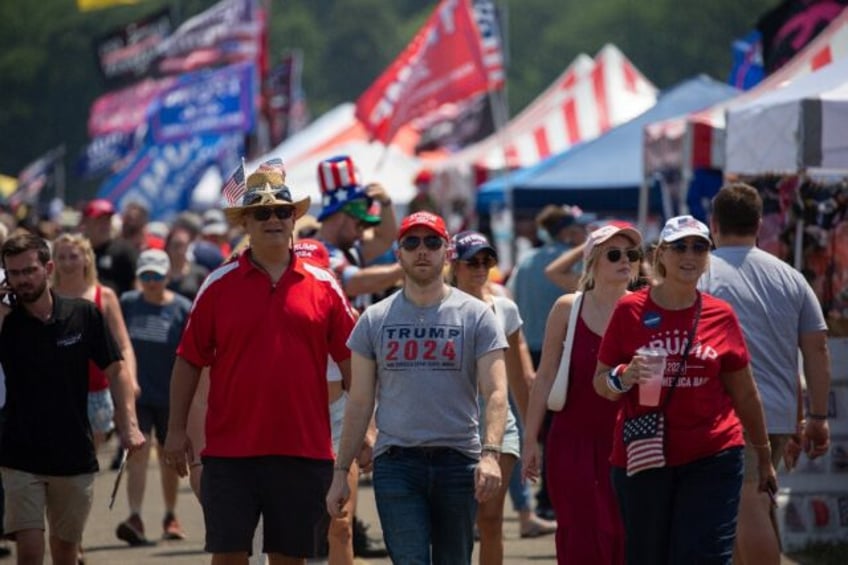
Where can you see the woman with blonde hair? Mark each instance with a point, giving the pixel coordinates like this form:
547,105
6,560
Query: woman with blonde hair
677,445
75,276
579,440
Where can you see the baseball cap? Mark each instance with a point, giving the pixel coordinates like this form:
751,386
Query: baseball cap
425,220
313,251
467,244
683,226
97,208
605,232
153,260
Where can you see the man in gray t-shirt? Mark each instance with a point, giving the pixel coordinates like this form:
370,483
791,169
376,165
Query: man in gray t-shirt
779,313
422,355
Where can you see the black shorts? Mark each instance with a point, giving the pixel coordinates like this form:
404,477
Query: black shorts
288,492
152,418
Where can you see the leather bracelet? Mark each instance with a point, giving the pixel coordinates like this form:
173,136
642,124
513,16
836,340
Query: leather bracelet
812,416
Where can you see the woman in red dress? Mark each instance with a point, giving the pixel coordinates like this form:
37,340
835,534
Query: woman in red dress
579,442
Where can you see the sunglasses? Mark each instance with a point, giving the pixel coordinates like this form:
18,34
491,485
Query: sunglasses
614,255
697,247
280,193
431,242
488,262
263,213
150,276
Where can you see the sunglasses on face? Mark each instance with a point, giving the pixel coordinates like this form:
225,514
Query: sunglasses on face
487,262
431,242
263,213
614,255
697,247
150,276
280,193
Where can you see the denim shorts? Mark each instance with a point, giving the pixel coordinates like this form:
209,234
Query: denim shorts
101,411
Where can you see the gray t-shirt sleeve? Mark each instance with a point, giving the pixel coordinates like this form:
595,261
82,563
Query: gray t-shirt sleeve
360,338
811,318
490,335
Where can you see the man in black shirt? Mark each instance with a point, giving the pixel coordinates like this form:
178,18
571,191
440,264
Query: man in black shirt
47,453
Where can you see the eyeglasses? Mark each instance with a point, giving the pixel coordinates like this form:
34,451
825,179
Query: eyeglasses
614,255
697,247
263,213
431,242
150,276
281,193
488,262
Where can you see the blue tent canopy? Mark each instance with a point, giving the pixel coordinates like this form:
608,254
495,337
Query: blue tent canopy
606,173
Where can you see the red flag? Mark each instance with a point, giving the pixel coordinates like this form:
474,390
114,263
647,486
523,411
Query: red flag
454,56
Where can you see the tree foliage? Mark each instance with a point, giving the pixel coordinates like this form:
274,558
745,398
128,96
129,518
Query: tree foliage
49,75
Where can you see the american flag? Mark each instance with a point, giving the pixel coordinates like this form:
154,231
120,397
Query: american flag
644,445
235,186
273,165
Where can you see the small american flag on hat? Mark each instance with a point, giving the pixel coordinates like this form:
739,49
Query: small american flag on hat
235,186
644,443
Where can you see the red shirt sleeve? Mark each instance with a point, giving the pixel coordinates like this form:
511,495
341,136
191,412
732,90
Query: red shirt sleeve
197,345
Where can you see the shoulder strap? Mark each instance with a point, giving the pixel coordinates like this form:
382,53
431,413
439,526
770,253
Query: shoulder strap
690,338
98,296
572,323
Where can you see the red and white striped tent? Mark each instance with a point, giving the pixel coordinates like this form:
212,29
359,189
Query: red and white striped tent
696,141
587,99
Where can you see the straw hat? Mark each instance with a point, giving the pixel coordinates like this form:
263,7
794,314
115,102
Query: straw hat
266,187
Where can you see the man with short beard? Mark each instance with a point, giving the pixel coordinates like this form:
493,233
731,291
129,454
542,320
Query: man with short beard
422,354
47,454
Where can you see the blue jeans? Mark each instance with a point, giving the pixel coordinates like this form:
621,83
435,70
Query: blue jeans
425,498
684,514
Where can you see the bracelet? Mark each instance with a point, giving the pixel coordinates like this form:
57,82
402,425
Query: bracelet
195,464
614,380
491,447
342,469
766,445
812,416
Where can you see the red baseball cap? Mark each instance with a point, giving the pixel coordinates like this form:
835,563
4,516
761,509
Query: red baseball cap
313,251
97,208
425,220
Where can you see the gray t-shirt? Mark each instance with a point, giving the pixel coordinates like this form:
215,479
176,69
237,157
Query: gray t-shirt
775,306
427,368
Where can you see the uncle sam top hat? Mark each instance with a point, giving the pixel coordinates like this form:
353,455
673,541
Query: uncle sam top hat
340,185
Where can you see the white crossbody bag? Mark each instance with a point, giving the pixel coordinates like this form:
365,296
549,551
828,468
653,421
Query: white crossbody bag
559,391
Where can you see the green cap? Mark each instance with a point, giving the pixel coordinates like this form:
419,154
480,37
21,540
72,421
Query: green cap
361,210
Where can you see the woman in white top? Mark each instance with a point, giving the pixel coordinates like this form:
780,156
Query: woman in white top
474,257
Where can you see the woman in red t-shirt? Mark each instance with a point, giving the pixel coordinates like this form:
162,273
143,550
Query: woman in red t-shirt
679,497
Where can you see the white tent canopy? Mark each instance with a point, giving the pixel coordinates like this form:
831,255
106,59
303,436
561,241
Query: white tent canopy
799,126
338,132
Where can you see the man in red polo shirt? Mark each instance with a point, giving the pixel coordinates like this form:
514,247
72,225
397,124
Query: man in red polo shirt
265,325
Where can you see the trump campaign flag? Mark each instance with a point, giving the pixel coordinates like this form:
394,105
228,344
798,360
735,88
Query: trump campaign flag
456,55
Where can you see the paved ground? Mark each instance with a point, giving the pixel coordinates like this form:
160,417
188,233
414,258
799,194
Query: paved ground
102,547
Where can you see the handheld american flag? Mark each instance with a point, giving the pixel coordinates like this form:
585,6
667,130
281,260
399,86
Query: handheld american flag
235,185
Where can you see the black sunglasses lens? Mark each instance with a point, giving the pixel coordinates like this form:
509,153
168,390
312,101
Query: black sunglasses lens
614,255
433,242
284,212
411,243
633,255
262,214
700,247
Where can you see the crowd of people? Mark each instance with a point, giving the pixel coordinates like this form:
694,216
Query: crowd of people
272,357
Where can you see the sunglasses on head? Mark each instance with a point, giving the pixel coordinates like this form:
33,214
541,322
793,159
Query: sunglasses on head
614,255
280,193
431,242
150,276
488,262
697,247
262,213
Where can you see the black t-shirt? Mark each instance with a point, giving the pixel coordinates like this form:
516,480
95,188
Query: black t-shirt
116,261
46,364
189,284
